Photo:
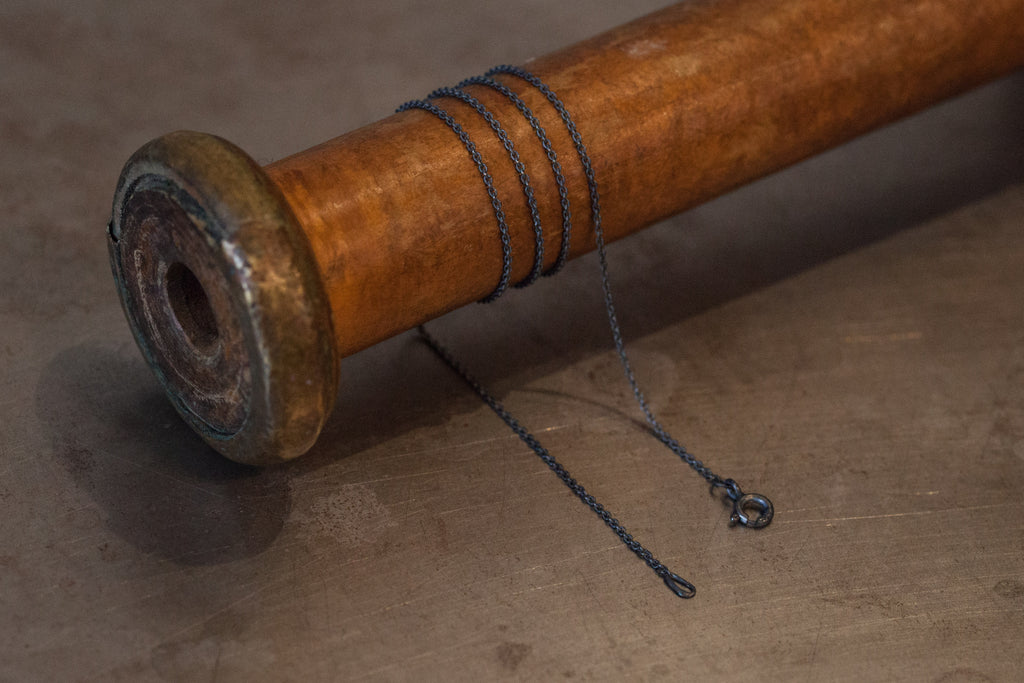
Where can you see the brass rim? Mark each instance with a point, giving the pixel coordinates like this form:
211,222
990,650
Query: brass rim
223,296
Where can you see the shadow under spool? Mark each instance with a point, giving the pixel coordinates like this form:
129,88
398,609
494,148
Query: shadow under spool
244,286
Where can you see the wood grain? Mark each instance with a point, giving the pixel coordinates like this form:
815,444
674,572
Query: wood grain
675,108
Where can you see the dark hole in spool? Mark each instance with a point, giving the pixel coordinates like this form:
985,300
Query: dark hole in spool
191,306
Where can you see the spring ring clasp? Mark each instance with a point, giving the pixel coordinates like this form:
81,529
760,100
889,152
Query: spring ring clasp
752,502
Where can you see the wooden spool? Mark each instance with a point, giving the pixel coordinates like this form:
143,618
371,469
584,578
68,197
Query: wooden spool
244,286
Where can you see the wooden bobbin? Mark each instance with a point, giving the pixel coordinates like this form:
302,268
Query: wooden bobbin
245,286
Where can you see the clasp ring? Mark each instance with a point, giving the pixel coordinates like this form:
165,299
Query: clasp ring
753,502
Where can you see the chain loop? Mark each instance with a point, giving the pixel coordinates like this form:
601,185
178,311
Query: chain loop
742,503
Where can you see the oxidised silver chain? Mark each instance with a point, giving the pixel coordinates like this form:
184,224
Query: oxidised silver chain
743,503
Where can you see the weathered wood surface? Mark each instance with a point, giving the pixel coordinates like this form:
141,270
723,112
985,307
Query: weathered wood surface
675,108
376,231
847,337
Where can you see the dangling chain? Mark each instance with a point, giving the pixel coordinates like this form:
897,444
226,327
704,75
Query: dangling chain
742,503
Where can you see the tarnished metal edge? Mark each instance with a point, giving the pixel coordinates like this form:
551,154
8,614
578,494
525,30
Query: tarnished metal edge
285,316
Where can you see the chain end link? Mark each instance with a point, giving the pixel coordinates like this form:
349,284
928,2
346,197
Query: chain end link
680,586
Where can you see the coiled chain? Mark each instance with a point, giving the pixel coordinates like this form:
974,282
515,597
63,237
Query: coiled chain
742,503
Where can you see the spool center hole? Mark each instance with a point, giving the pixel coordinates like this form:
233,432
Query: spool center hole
191,307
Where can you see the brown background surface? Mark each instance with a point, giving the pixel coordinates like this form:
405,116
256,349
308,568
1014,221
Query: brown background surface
846,336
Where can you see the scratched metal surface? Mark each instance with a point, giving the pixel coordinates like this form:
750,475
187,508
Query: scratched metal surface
846,336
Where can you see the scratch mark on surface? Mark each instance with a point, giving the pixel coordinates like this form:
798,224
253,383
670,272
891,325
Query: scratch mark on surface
913,513
478,442
545,586
433,595
273,585
216,665
432,651
814,649
882,338
929,616
136,465
398,477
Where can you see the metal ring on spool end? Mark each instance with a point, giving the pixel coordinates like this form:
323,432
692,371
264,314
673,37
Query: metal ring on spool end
223,296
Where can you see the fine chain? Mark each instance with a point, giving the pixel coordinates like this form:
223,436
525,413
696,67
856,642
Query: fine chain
524,178
499,212
676,583
595,209
556,168
742,503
